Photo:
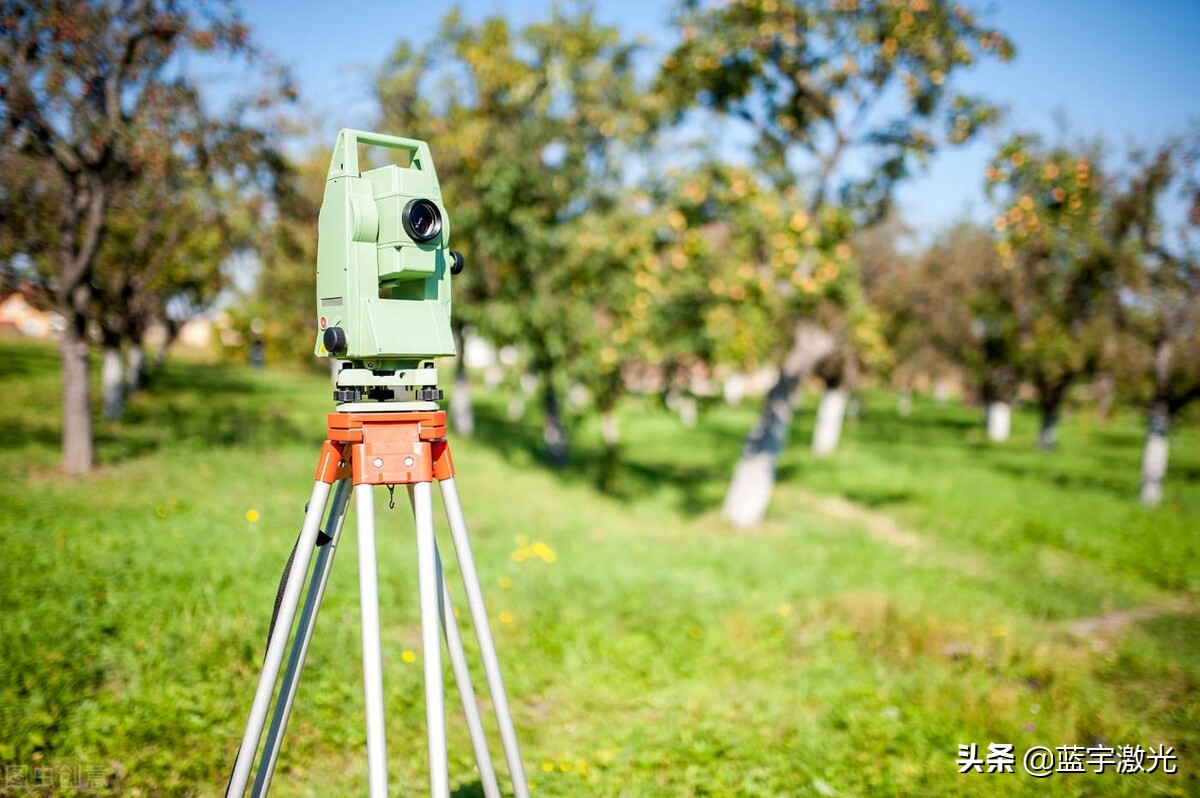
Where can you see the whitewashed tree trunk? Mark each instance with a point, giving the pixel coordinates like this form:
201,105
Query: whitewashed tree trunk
462,415
753,479
941,390
112,382
904,404
610,461
999,421
135,368
831,414
1154,453
689,413
1048,434
1106,393
734,390
610,430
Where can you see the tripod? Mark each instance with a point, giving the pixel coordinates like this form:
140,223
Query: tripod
362,450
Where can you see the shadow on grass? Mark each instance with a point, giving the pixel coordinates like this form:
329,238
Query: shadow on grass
876,498
201,406
185,403
684,465
1102,462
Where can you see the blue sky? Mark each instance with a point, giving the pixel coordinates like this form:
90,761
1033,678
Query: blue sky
1127,70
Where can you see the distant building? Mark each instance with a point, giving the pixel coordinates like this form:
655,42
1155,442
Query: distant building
19,314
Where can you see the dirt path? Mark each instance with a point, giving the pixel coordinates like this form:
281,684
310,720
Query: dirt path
881,527
886,530
1113,623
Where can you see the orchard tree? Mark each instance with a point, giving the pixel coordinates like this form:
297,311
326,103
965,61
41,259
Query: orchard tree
530,130
956,298
83,88
894,282
1066,259
845,100
171,233
1160,208
740,254
281,303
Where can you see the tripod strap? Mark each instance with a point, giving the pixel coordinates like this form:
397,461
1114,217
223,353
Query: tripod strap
322,540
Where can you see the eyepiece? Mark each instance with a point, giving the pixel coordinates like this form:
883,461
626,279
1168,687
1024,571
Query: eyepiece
422,220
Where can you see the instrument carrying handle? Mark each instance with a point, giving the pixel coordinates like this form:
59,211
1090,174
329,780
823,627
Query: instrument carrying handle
345,152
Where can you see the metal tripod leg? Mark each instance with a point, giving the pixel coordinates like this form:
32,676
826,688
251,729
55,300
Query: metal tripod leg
431,640
483,632
278,642
368,587
462,679
300,643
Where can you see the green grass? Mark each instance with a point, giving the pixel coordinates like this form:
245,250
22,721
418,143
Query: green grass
660,653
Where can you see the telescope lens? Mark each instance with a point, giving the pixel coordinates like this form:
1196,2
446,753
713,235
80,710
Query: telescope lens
422,220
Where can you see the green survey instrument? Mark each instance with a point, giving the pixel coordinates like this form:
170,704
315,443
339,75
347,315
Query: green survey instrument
383,273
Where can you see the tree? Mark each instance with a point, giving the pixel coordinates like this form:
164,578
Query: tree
171,233
1062,252
1160,209
281,302
529,129
894,280
845,99
83,89
954,303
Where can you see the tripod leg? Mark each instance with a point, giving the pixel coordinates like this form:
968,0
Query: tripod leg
304,632
275,648
483,632
368,587
431,640
462,679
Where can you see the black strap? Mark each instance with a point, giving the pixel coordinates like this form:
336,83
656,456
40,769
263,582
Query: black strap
322,539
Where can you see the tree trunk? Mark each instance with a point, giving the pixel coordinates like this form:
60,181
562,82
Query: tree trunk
79,454
1048,433
553,432
831,414
462,416
941,390
610,433
112,378
135,368
999,421
1154,453
754,476
1106,392
689,413
904,403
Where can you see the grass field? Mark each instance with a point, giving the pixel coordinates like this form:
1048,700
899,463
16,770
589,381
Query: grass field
919,591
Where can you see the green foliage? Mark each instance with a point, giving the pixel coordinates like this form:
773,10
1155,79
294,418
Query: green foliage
1067,259
646,647
845,101
96,122
531,130
1159,208
279,313
735,257
823,78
